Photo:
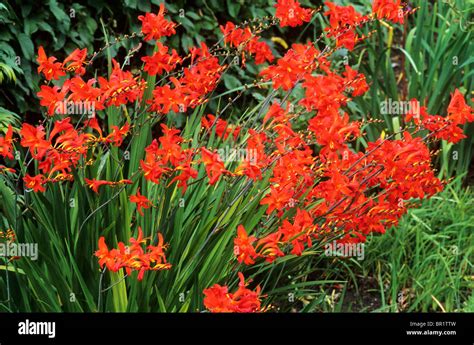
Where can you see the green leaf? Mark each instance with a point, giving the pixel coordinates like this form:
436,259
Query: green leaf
26,45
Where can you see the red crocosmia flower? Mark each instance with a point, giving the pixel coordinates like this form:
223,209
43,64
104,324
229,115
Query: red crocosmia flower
105,256
346,39
4,169
324,92
61,126
458,111
235,36
340,16
276,113
261,50
166,99
244,39
154,26
269,246
333,131
170,144
152,166
96,184
343,19
6,144
169,157
416,113
214,165
290,13
94,124
243,247
298,62
389,9
157,255
223,129
189,90
136,242
33,138
141,201
256,159
52,70
121,88
277,199
355,81
442,128
52,97
186,173
75,61
82,91
161,61
35,182
117,135
298,232
218,299
133,257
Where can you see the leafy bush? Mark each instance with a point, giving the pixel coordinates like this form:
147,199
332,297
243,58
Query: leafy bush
62,26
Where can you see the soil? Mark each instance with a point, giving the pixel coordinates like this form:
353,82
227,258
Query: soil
364,299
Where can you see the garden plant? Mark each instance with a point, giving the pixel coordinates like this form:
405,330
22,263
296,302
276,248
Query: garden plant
246,173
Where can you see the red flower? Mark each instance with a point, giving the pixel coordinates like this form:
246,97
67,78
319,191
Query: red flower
223,129
218,300
297,63
165,98
244,39
121,88
35,182
269,246
458,110
141,201
189,91
75,61
355,81
85,92
33,138
214,166
186,173
243,248
133,257
443,128
298,232
154,26
261,50
105,256
96,184
389,9
235,36
50,97
6,144
118,134
161,61
340,16
51,69
290,13
277,199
